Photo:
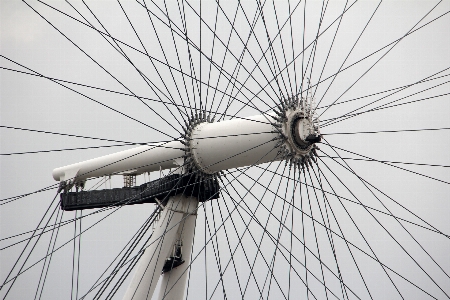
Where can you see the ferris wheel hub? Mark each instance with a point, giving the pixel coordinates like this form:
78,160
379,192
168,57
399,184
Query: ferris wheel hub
300,129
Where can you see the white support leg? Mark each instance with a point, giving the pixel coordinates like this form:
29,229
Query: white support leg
173,283
149,268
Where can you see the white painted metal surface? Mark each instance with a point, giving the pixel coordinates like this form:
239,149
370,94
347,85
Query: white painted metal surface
215,146
173,283
177,221
234,143
133,161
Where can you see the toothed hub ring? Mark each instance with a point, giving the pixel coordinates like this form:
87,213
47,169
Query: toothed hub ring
299,130
192,165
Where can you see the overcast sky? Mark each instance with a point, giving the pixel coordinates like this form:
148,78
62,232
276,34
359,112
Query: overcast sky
60,75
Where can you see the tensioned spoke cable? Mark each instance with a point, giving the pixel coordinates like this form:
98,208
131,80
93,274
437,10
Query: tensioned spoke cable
257,64
397,89
68,149
263,56
388,131
233,76
386,161
356,226
240,39
165,57
262,236
197,209
158,163
210,65
216,254
273,239
363,182
390,234
120,203
265,225
45,261
91,58
63,134
64,244
328,54
237,59
388,164
247,224
126,94
380,49
90,98
330,236
280,230
178,58
126,251
185,37
121,52
333,121
223,223
14,198
238,65
50,258
79,256
431,228
384,55
285,226
217,249
73,256
134,240
13,279
314,50
292,43
272,53
228,244
345,60
169,215
303,225
393,90
218,67
298,55
143,76
314,226
349,242
381,107
303,66
282,46
352,113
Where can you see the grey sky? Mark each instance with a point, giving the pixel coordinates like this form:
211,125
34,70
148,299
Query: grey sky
30,102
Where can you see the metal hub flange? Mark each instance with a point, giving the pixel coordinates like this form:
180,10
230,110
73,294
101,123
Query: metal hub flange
299,130
191,160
